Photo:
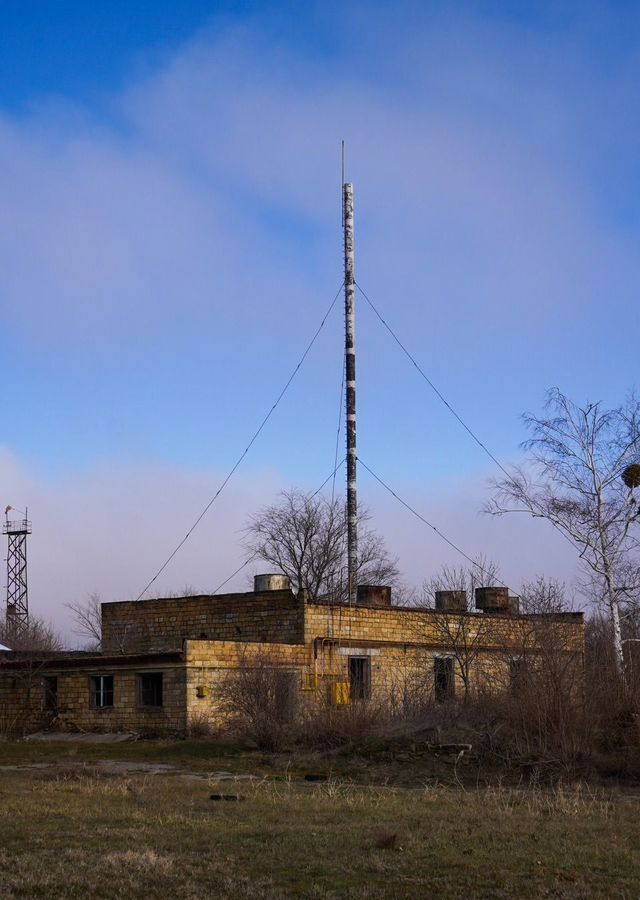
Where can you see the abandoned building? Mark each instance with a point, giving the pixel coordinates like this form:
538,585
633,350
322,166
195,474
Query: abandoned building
162,661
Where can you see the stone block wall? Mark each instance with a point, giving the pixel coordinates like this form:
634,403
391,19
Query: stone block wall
158,625
199,641
402,626
22,697
208,664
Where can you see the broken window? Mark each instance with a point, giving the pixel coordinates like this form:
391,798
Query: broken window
443,678
50,687
101,691
150,689
360,677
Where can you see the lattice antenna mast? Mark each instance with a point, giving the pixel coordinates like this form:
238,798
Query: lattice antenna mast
350,386
17,610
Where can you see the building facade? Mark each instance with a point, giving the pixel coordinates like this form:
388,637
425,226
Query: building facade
164,663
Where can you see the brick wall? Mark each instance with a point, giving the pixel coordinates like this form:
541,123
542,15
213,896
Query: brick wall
157,625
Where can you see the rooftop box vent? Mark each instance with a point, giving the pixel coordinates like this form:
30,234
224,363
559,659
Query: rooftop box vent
374,595
271,582
451,601
493,599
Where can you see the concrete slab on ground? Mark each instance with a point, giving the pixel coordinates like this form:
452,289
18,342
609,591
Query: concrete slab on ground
68,737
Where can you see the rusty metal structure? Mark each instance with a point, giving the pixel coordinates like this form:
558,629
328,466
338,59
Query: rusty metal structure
17,608
451,601
350,388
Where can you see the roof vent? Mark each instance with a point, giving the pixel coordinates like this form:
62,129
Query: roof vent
374,595
493,599
451,601
271,582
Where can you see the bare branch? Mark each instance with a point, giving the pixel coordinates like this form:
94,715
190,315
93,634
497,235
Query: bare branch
305,537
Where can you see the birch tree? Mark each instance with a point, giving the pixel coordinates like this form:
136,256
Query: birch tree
582,476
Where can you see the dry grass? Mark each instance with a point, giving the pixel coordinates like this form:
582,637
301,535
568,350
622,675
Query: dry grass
76,832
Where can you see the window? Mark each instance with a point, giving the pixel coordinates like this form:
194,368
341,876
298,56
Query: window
150,689
101,691
360,677
50,687
518,674
443,678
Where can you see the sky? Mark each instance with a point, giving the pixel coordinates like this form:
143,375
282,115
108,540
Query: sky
170,240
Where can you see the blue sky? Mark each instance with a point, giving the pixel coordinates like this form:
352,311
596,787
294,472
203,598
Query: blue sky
170,239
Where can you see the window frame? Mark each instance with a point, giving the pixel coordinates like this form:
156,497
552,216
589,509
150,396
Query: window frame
97,689
361,681
140,690
519,674
50,694
444,690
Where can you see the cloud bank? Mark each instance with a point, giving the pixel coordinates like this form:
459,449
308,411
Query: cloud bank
167,254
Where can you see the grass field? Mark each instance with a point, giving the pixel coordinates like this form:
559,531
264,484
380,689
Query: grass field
72,827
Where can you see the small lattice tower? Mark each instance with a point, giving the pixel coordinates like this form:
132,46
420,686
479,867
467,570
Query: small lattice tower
17,611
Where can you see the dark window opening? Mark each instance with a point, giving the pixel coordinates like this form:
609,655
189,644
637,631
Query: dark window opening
50,685
360,677
518,674
443,676
284,694
150,689
101,691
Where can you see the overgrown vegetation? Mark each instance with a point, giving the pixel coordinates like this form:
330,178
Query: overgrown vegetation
560,717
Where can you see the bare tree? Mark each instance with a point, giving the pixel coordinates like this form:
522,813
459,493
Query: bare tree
581,477
462,636
544,596
34,642
88,620
304,536
37,637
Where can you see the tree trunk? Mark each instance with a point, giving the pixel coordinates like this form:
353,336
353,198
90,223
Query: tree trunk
617,632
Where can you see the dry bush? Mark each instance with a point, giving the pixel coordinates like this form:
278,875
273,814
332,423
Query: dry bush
562,715
37,636
612,707
259,700
350,726
200,725
543,713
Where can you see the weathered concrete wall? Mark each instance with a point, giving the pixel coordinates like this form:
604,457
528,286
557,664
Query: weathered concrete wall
156,625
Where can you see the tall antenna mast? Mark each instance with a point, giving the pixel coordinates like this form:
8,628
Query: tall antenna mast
17,610
350,382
